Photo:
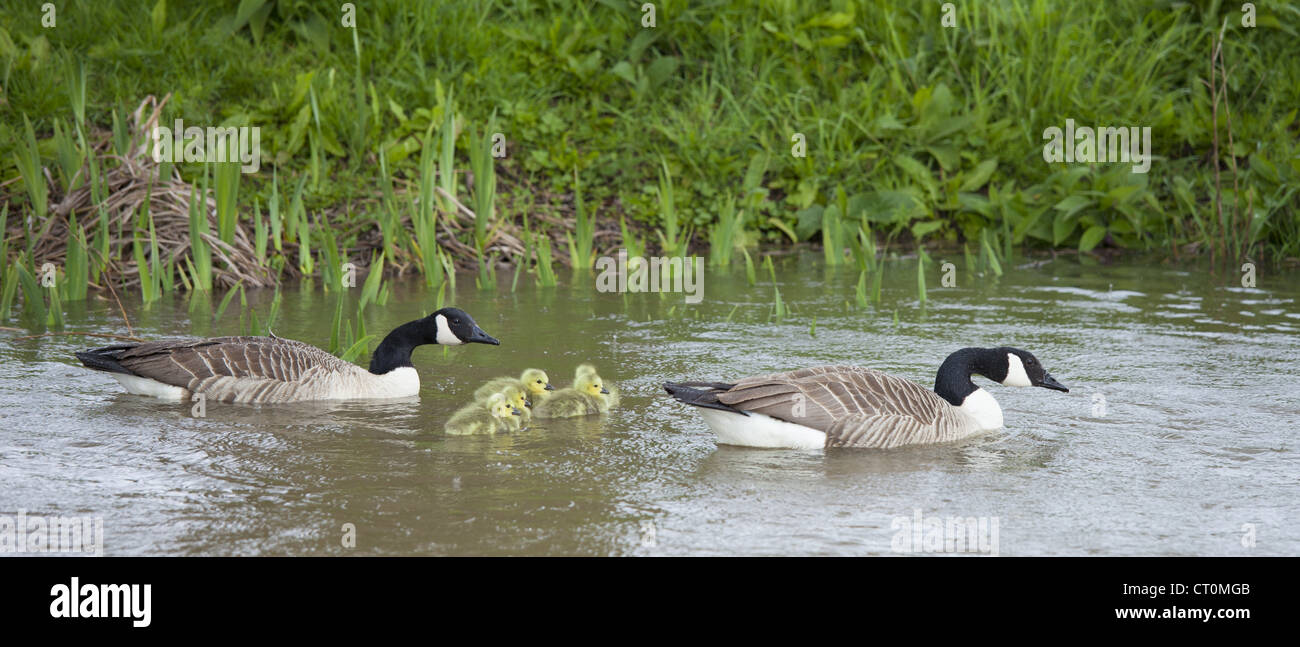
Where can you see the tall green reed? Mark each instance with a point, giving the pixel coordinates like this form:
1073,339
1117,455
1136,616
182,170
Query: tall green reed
581,241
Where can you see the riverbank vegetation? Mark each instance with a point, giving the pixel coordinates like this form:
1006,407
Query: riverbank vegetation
860,127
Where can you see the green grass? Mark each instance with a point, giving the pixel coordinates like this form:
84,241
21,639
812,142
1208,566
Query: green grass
671,240
34,308
543,263
916,133
147,260
200,260
485,187
76,266
581,240
724,234
921,260
425,219
225,301
227,180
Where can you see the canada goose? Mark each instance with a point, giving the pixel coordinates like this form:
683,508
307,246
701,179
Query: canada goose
585,397
272,369
533,380
484,417
850,406
611,399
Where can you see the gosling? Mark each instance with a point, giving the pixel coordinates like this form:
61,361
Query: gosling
518,398
586,397
534,382
590,369
484,418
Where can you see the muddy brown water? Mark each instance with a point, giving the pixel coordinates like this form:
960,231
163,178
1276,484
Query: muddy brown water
1178,436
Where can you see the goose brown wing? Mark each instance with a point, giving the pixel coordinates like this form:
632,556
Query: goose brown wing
188,363
854,406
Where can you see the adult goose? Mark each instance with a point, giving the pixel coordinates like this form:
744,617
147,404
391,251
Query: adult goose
850,406
272,369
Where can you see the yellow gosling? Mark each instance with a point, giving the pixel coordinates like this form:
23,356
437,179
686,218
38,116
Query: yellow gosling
590,369
534,382
584,398
484,418
584,369
518,398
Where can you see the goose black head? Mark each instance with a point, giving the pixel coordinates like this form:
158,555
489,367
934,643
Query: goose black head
1021,368
1005,365
453,326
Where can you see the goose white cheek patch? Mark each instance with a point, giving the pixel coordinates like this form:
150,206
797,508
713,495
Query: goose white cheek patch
445,336
1016,375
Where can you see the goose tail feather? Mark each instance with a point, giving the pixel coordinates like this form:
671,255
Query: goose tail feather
688,393
105,359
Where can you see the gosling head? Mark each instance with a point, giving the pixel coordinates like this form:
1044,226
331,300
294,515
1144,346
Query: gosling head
453,326
536,381
591,385
516,397
584,369
1020,368
500,407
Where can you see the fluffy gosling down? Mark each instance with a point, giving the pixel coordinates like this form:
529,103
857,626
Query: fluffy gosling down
587,396
534,382
518,398
484,418
588,369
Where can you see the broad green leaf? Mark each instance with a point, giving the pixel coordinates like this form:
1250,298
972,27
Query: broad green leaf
1119,193
919,174
808,221
1091,237
838,20
1265,168
977,177
1062,227
158,17
356,349
1071,204
946,155
784,229
923,227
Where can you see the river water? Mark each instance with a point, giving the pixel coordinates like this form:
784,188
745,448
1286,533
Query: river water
1178,436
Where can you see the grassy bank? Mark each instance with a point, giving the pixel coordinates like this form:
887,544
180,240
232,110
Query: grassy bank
678,137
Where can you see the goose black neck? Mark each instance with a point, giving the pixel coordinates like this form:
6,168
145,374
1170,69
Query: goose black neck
395,350
953,381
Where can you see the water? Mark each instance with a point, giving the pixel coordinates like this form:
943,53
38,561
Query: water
1195,437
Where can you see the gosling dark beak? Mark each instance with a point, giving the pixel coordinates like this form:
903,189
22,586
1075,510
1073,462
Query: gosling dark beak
528,404
1048,382
477,336
515,411
604,391
549,387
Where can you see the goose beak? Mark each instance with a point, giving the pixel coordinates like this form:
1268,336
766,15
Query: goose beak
515,412
528,404
549,387
477,336
604,391
1048,382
